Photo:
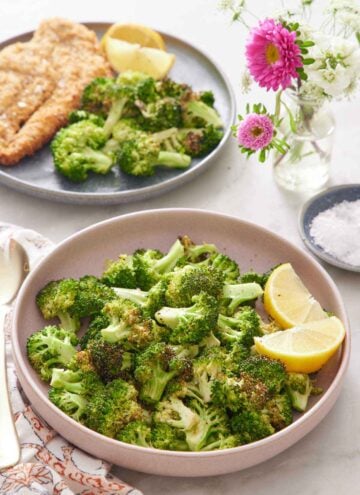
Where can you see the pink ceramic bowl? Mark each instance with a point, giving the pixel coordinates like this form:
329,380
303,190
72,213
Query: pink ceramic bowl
253,247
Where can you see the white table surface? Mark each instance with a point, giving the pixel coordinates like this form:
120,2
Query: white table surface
327,461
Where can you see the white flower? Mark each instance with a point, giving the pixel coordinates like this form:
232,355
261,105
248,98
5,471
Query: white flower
310,90
346,12
246,82
226,4
336,67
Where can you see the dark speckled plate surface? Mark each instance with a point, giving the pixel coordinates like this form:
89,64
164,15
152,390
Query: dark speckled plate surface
321,202
36,175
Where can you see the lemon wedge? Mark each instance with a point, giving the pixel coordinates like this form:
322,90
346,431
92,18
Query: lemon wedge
124,56
304,348
288,301
134,33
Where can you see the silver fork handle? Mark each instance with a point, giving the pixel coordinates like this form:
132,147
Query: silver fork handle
9,443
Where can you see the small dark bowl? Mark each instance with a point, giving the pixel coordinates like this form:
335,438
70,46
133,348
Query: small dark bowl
321,202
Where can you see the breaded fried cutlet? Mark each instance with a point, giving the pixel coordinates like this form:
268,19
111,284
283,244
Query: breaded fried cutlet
41,81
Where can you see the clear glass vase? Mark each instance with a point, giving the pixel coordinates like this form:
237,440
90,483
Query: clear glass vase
305,167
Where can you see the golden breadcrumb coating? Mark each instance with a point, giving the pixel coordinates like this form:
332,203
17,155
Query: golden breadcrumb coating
41,81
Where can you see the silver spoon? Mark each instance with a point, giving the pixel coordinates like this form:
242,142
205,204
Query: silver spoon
14,266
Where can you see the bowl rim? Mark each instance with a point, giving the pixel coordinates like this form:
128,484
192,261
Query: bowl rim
307,239
22,363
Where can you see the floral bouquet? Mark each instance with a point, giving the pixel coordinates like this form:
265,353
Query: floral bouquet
313,65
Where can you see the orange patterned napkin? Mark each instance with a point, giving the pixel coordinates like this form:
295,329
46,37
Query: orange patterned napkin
49,464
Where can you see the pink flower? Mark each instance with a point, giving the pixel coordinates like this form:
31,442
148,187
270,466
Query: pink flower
255,132
272,55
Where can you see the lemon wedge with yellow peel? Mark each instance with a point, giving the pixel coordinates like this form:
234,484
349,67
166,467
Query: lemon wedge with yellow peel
304,348
124,56
288,301
134,33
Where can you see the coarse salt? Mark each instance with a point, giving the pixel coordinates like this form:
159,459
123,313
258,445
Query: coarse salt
337,231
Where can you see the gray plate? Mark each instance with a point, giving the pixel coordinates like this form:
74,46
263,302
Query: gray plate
321,202
35,175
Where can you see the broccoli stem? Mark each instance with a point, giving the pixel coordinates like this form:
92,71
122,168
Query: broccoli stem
67,322
168,262
170,316
135,295
173,160
210,115
114,115
187,418
68,380
240,293
99,161
163,135
153,389
115,332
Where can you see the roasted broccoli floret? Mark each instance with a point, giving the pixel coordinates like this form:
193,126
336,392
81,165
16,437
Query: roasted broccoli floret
149,301
166,437
207,368
269,371
199,142
110,98
145,85
212,425
110,409
227,441
242,327
71,389
120,273
155,367
127,324
191,324
279,411
202,425
97,97
228,267
251,426
137,433
175,413
56,300
185,283
193,142
151,265
207,97
78,149
300,387
239,393
82,362
124,130
77,382
172,89
236,353
141,154
258,278
93,331
91,297
50,347
110,360
72,404
195,253
160,115
196,113
236,294
78,115
69,300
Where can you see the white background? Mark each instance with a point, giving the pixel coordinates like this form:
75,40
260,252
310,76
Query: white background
327,461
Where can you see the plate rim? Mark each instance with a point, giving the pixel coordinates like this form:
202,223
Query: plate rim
329,397
127,196
307,240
